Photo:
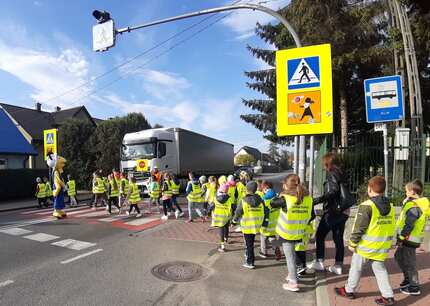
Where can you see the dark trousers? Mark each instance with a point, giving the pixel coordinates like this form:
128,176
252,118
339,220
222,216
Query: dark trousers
337,232
42,201
301,258
406,258
249,242
167,204
174,203
136,207
223,232
114,201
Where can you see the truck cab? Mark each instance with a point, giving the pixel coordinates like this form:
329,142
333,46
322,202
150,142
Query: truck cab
158,146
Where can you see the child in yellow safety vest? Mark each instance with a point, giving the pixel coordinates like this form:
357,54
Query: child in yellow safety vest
195,197
123,190
71,190
133,197
410,234
268,233
48,191
295,212
154,193
370,241
175,186
113,192
99,190
211,190
40,193
221,214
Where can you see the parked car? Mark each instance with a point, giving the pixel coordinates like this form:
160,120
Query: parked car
247,169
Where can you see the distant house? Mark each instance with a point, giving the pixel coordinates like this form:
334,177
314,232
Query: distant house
31,123
263,158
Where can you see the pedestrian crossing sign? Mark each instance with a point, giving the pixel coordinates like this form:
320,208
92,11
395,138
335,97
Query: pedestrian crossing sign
142,165
304,91
303,72
49,142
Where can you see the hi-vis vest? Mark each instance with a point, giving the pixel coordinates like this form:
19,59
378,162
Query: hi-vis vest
222,212
260,193
135,194
424,204
252,218
303,245
41,192
71,188
211,193
196,194
124,186
270,230
155,191
232,192
114,192
167,193
99,186
378,238
241,191
175,187
417,233
292,224
48,190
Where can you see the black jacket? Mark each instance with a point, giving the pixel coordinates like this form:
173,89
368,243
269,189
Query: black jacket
331,196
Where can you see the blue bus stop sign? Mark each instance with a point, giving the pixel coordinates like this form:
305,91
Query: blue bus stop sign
384,99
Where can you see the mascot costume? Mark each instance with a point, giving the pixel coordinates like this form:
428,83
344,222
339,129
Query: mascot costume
57,163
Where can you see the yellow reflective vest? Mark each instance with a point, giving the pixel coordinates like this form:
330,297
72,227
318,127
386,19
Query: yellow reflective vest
167,194
99,186
154,193
252,218
71,188
378,238
292,224
175,187
48,190
41,191
241,191
417,233
195,195
135,194
114,189
270,229
124,186
222,212
211,193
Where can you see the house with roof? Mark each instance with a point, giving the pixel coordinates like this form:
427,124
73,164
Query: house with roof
260,158
31,122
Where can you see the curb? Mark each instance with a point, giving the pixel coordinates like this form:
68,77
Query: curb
321,290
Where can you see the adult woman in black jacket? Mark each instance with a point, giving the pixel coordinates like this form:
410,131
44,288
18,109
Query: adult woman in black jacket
333,220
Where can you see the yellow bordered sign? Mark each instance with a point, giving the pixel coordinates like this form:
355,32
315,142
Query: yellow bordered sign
304,91
142,165
49,142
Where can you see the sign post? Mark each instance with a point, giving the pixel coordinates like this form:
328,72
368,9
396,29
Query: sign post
384,103
49,142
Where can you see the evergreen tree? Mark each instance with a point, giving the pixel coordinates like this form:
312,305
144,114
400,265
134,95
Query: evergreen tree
274,151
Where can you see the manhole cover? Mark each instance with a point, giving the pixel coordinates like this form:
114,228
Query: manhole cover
179,271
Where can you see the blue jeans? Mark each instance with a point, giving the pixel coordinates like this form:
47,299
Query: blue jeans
194,206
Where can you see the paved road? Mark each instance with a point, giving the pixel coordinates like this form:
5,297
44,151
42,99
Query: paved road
95,259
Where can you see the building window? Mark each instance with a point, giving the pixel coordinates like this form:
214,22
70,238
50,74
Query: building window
3,163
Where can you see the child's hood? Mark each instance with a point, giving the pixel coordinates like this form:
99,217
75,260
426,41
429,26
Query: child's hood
222,197
383,204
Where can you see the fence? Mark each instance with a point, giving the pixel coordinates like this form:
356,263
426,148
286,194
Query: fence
364,158
19,183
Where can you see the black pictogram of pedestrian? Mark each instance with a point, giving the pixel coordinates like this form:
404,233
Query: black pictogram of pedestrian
304,71
307,108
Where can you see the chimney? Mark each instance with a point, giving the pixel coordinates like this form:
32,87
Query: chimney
38,106
57,108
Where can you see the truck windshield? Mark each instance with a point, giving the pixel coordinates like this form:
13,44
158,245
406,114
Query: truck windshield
138,150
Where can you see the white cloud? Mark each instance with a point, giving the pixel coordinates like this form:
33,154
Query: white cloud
220,115
243,22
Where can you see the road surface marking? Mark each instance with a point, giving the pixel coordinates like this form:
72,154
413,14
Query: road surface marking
80,211
41,237
111,219
15,231
8,282
36,211
95,214
26,223
66,210
81,256
141,221
73,244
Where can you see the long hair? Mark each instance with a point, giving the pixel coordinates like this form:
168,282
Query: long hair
293,187
331,161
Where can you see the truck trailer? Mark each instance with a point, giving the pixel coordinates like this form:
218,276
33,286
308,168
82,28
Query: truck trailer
177,151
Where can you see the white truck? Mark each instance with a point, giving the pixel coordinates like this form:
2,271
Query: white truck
177,151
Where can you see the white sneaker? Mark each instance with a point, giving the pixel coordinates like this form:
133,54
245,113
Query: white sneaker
177,214
317,265
127,213
336,269
168,214
181,214
138,215
238,229
164,218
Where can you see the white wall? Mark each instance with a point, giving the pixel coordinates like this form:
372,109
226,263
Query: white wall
13,161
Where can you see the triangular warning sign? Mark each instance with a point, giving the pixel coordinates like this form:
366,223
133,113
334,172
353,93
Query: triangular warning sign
303,74
49,138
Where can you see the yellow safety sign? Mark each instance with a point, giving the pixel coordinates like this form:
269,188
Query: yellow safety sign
304,91
49,142
142,165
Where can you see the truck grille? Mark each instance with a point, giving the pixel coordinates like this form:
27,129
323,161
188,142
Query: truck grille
140,175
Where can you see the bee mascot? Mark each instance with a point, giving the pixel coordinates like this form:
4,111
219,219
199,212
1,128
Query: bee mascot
57,163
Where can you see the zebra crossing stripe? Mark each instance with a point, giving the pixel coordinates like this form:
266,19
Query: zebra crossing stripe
112,219
73,244
141,221
26,223
41,237
85,210
81,256
15,231
94,214
66,210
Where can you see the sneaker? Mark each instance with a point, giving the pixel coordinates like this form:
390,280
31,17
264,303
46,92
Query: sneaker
404,284
411,290
248,266
301,270
342,292
238,229
169,213
127,213
384,301
164,218
289,286
181,214
189,221
262,255
221,248
317,265
138,215
336,269
177,214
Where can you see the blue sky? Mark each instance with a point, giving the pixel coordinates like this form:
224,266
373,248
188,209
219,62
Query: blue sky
46,50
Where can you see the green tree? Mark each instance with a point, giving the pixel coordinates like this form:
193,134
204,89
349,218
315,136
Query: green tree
107,138
357,53
74,144
274,151
244,160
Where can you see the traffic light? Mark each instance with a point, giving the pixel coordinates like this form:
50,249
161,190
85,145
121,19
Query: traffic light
101,16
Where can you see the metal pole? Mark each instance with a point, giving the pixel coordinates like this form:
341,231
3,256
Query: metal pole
385,135
302,159
311,165
296,154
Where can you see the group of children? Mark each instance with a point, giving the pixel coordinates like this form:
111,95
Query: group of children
44,193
